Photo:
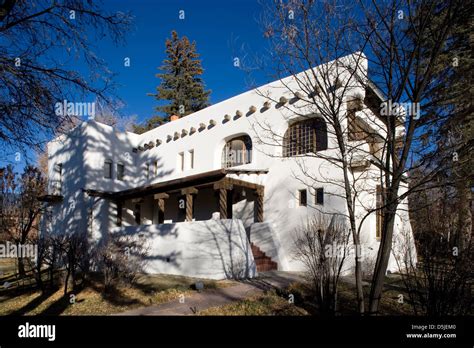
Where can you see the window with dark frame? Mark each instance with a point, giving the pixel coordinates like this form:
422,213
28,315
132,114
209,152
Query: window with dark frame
319,196
181,161
108,169
307,136
354,131
120,171
59,168
303,198
191,159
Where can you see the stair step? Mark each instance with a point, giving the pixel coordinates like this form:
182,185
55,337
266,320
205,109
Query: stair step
262,261
265,262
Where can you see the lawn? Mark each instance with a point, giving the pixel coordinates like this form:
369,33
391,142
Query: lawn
272,303
22,298
395,300
266,304
7,265
91,299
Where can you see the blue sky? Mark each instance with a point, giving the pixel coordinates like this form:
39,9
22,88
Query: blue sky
220,29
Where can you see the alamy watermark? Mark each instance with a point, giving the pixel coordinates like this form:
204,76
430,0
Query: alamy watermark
68,108
390,108
37,331
335,250
235,157
11,250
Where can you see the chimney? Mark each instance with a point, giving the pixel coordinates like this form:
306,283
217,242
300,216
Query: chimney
174,118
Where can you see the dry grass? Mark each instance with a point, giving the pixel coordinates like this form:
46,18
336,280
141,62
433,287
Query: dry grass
7,266
390,304
91,300
22,299
267,304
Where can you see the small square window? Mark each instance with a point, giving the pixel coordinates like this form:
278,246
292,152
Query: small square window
303,197
319,196
181,161
58,168
191,159
108,169
120,171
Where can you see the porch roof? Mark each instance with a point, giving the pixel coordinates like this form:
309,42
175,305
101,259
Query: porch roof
200,179
51,198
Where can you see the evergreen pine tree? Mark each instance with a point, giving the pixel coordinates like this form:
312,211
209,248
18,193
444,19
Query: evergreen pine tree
181,84
450,121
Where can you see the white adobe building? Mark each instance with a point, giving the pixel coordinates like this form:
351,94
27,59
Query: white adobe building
205,191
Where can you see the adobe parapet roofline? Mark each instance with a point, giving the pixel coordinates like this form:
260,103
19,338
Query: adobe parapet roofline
178,131
212,122
174,129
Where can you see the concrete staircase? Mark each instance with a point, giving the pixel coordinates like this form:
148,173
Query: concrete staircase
263,262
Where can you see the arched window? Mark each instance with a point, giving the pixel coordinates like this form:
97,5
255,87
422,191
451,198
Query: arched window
237,151
108,169
304,137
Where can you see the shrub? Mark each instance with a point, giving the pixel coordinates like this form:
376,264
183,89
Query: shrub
322,246
121,258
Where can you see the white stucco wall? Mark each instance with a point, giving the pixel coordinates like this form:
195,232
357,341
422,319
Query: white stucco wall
214,249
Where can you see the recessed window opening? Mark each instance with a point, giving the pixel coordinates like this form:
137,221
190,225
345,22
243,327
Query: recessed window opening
303,198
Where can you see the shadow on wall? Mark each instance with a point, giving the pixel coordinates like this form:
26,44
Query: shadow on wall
276,235
231,238
82,154
70,215
148,235
231,248
214,249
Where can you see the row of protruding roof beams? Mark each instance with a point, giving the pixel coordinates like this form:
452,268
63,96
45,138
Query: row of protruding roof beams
212,123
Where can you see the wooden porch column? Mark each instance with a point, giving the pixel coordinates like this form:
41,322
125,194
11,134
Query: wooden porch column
119,205
224,188
189,192
259,205
161,206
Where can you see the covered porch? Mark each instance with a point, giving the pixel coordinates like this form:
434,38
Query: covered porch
198,225
205,196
